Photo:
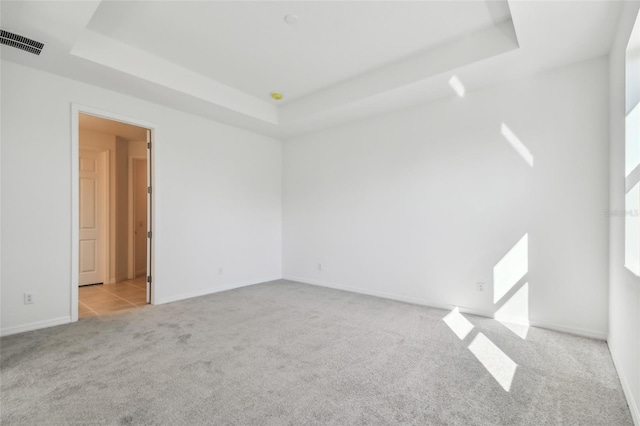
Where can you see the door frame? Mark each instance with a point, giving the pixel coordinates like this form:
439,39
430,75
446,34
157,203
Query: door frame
76,110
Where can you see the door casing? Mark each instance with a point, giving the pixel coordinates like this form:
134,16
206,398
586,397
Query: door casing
76,110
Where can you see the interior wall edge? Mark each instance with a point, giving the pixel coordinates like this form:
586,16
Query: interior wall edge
213,290
626,387
582,332
623,285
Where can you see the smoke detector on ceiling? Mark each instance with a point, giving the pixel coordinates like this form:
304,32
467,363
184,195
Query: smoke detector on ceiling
291,19
19,42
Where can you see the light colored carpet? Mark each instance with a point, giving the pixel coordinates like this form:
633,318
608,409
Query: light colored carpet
284,353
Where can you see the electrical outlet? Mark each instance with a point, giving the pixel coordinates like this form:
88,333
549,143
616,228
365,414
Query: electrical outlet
480,286
28,298
319,266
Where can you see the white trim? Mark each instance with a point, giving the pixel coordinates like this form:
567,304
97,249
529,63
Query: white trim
472,311
75,210
76,109
626,389
211,290
151,159
34,326
584,332
150,217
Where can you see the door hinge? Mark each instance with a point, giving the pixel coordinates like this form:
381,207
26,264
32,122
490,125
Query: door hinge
149,234
149,189
149,279
148,145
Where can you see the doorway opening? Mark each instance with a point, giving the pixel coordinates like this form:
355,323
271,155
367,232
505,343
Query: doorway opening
114,212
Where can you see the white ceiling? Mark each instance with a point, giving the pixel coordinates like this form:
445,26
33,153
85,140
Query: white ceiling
112,127
249,46
341,61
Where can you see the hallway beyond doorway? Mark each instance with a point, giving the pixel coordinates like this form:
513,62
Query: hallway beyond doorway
96,300
114,215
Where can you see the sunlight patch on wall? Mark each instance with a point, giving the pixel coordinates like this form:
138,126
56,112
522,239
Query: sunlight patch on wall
517,144
457,86
514,313
632,197
496,362
632,230
458,324
511,268
632,140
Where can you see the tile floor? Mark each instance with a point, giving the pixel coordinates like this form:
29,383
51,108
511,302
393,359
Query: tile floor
96,300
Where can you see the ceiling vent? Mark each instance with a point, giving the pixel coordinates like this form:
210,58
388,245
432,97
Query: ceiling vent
19,42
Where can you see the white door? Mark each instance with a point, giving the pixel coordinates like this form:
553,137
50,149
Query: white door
91,218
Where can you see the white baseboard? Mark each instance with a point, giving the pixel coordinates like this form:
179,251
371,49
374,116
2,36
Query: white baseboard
65,320
35,325
211,290
472,311
584,332
626,389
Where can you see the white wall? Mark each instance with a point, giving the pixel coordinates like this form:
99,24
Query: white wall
421,204
217,198
624,287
